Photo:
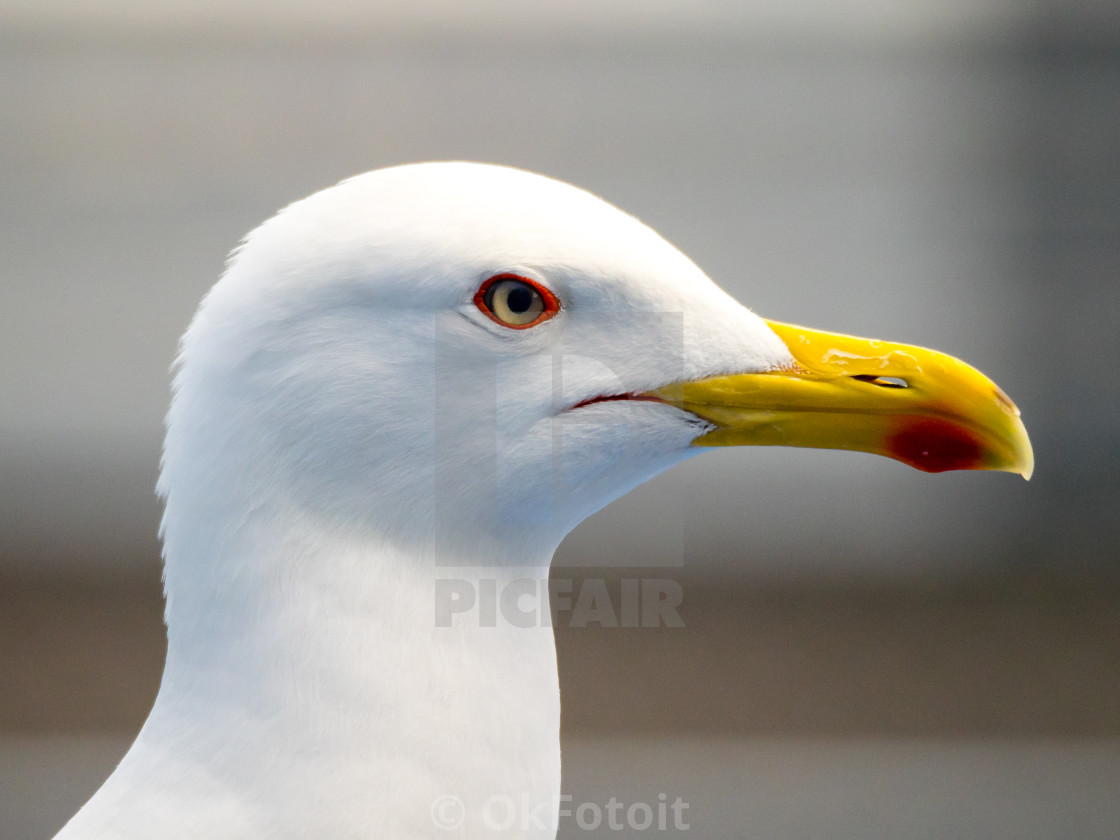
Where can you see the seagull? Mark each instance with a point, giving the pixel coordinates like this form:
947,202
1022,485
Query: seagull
434,372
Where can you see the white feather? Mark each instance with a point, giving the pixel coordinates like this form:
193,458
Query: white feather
347,429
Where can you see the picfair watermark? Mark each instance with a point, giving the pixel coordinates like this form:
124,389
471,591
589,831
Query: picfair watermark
535,602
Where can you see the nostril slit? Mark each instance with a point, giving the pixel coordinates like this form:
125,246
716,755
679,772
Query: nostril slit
883,381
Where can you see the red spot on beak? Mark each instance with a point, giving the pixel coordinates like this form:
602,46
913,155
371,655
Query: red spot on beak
935,445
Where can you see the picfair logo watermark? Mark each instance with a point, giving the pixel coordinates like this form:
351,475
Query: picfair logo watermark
566,602
502,812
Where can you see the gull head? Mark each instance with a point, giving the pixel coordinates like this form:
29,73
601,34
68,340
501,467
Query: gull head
449,351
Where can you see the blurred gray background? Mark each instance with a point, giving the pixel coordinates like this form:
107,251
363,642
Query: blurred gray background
869,651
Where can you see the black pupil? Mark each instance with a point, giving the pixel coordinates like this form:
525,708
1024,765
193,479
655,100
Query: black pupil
519,299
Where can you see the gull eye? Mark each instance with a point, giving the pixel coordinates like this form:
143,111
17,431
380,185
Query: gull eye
515,301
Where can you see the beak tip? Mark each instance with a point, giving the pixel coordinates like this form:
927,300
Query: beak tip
1025,462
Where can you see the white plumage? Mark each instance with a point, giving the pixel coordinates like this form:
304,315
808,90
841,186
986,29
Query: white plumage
348,428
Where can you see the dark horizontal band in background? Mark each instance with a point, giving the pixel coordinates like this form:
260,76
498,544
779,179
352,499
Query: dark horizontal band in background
1003,658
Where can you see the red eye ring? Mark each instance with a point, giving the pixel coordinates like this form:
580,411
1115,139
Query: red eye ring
515,302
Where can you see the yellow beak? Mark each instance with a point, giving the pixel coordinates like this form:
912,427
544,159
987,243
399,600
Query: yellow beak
921,407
